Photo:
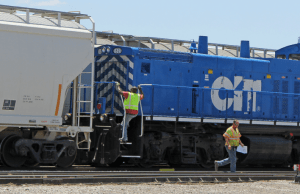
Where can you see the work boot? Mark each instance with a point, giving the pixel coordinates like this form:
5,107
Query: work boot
216,165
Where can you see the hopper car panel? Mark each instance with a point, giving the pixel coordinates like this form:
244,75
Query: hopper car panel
38,72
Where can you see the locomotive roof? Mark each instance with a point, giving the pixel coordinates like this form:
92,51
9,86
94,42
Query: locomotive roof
291,49
110,38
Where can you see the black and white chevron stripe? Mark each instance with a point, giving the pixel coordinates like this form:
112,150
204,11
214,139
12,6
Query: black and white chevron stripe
114,68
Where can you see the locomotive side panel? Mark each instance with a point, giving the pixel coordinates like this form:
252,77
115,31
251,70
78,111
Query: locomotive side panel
220,87
189,97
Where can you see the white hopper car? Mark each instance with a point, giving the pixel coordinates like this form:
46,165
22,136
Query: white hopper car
40,56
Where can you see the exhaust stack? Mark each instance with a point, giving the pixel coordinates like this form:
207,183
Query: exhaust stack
245,49
203,45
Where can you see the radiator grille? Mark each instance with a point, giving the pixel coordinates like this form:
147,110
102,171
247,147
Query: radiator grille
285,101
275,100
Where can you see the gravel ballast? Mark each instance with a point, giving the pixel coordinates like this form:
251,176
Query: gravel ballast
261,187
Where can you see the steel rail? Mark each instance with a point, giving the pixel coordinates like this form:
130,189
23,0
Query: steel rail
63,177
44,172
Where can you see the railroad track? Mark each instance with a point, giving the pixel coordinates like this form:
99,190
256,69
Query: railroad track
94,177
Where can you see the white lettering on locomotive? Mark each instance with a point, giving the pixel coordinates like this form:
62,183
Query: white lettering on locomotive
237,100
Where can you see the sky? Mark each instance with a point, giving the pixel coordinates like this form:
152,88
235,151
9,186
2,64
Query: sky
271,24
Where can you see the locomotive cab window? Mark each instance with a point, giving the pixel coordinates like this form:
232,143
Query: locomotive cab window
145,68
294,57
281,57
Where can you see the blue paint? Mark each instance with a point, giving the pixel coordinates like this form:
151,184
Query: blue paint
182,87
286,51
203,45
245,49
193,47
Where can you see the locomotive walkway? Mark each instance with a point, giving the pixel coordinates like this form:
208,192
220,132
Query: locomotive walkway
94,177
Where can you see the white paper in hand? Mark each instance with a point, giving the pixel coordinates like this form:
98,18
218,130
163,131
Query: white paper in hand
241,149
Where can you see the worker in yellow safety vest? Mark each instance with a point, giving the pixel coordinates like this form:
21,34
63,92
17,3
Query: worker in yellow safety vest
131,104
232,139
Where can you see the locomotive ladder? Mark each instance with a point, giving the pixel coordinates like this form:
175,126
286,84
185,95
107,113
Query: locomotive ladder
83,102
84,106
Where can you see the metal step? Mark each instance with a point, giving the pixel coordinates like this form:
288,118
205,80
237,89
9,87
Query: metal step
84,116
84,101
101,126
189,154
84,86
130,156
126,143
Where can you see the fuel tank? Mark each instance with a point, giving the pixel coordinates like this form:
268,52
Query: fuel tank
265,150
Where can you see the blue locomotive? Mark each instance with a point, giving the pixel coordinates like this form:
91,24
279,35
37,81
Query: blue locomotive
190,100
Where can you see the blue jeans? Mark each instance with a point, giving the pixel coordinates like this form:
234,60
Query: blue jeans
232,159
127,120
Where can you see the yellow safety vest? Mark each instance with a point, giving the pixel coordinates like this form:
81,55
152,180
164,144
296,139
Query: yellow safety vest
132,102
233,136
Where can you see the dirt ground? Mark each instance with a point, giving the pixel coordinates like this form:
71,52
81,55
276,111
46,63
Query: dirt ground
261,187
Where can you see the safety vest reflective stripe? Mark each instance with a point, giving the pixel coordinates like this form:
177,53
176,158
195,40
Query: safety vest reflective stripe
130,105
226,134
235,133
132,102
233,136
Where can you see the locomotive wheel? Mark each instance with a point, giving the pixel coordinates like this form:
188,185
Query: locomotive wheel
67,158
145,164
117,163
9,156
207,165
175,165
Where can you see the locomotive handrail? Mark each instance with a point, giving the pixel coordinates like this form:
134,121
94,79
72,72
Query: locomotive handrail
268,105
218,89
124,117
104,82
142,119
113,94
255,105
112,107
